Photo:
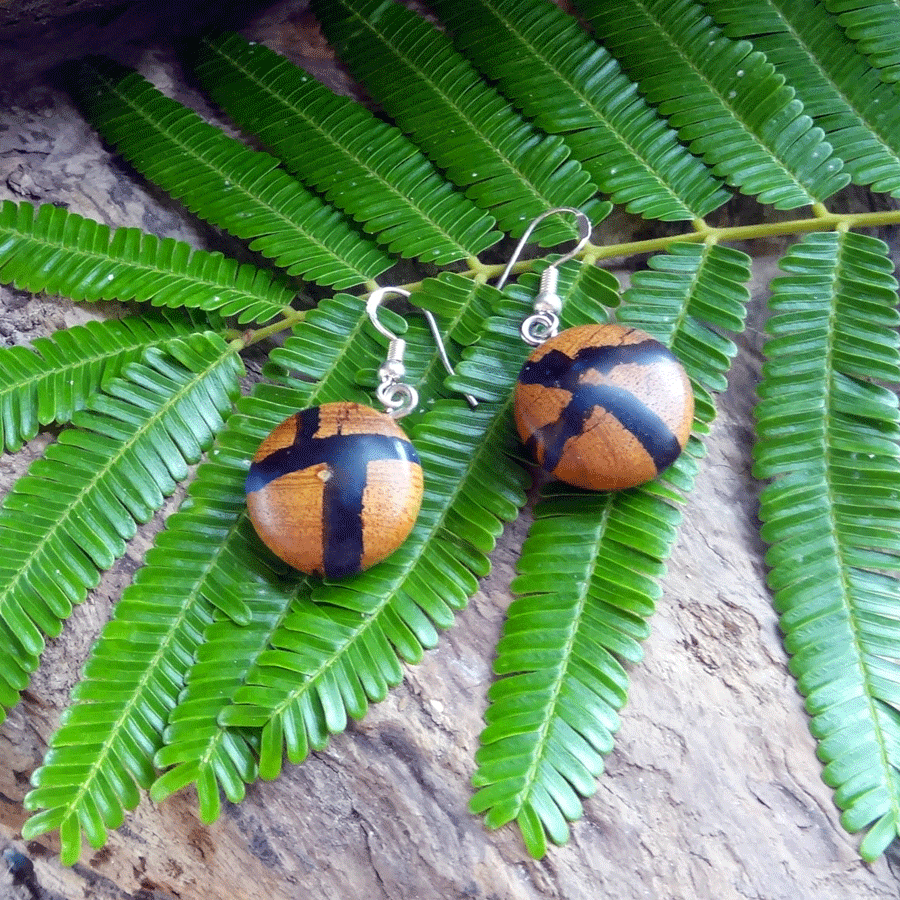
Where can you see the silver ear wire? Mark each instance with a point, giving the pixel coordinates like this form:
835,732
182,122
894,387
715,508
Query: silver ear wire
399,398
544,322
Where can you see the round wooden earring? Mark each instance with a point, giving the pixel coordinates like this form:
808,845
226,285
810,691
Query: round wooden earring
335,489
603,407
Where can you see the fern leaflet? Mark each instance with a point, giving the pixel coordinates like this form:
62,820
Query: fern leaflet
461,123
60,252
847,99
828,436
875,26
725,98
131,445
57,377
393,191
223,181
568,85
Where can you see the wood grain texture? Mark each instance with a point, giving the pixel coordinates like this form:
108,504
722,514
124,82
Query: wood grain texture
603,407
712,793
335,489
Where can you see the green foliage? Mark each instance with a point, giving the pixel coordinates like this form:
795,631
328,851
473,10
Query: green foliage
828,439
507,110
726,99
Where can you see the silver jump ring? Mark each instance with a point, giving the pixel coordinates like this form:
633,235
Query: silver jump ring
399,399
539,328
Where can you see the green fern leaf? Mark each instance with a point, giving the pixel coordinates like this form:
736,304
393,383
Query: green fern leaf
875,26
589,577
844,95
218,178
395,192
552,718
333,656
207,559
103,748
726,100
562,80
59,252
58,376
327,351
196,749
72,514
828,436
463,125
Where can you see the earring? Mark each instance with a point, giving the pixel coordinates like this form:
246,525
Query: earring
602,407
336,488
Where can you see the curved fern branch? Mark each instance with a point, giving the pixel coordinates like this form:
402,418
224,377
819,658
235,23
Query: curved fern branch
725,98
393,190
219,179
59,375
462,124
828,436
588,582
59,252
567,84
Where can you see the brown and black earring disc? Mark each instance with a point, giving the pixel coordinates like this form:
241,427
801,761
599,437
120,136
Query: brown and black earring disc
604,407
335,489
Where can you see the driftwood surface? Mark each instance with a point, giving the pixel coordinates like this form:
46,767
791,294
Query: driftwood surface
713,791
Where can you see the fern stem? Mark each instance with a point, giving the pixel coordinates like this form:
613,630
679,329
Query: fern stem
256,335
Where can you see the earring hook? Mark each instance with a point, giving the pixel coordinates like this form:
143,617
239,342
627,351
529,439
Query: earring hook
584,235
398,397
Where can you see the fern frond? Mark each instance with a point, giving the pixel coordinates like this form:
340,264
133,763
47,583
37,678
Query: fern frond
58,376
875,26
360,164
828,436
333,656
154,421
550,68
552,717
462,124
196,749
60,252
327,351
221,180
589,579
839,89
727,101
71,515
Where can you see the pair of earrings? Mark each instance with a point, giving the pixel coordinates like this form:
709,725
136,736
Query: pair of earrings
336,488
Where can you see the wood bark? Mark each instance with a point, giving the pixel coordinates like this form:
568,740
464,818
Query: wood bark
713,791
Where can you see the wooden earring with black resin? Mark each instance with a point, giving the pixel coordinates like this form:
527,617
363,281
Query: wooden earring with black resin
335,489
603,407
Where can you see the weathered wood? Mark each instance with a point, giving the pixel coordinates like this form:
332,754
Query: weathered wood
713,791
